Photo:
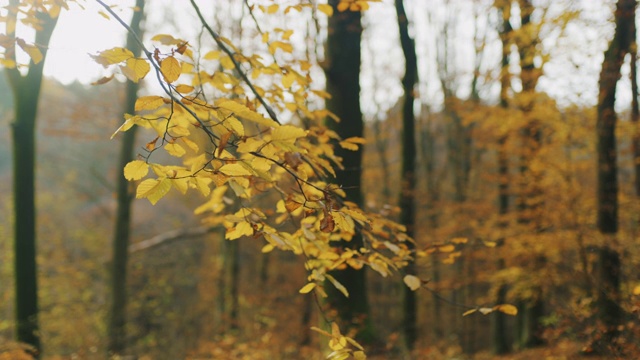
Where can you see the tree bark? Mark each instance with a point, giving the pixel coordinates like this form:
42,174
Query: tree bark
608,264
500,342
121,236
635,109
26,95
408,187
342,72
531,193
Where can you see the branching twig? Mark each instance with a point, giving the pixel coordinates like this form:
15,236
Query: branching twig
236,64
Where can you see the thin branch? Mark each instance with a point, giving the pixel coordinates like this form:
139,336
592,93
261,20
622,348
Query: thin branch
170,236
224,48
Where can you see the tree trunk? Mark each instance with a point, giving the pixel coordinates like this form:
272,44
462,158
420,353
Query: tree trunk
343,83
121,236
635,111
530,198
608,268
407,191
499,338
26,95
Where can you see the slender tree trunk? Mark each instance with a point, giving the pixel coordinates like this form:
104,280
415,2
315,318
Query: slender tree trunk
26,95
635,110
343,83
530,198
500,342
407,192
117,320
608,264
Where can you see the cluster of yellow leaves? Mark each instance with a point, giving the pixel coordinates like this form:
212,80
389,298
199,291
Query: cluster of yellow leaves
343,347
25,13
260,178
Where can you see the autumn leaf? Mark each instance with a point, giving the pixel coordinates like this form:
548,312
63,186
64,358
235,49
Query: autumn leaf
307,288
103,80
469,312
170,68
246,113
287,133
223,142
32,50
327,224
446,248
337,285
235,169
506,309
136,170
184,89
148,103
165,39
325,8
112,56
413,282
153,189
135,69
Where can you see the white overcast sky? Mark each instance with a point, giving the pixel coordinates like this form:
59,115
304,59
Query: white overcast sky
571,75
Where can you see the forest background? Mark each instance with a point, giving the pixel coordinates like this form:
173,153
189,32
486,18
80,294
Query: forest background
507,114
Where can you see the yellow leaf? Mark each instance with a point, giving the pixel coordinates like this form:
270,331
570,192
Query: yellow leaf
235,169
506,309
246,113
149,103
182,184
356,140
271,9
153,189
175,149
274,46
459,240
485,311
446,248
184,89
348,146
325,8
265,37
413,282
359,355
288,79
136,170
343,5
636,290
165,39
212,55
490,244
135,69
7,63
242,228
267,248
112,56
171,69
337,285
307,288
32,50
103,80
317,329
234,125
287,132
469,312
227,63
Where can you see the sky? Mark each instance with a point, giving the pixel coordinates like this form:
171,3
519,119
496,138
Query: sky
571,75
